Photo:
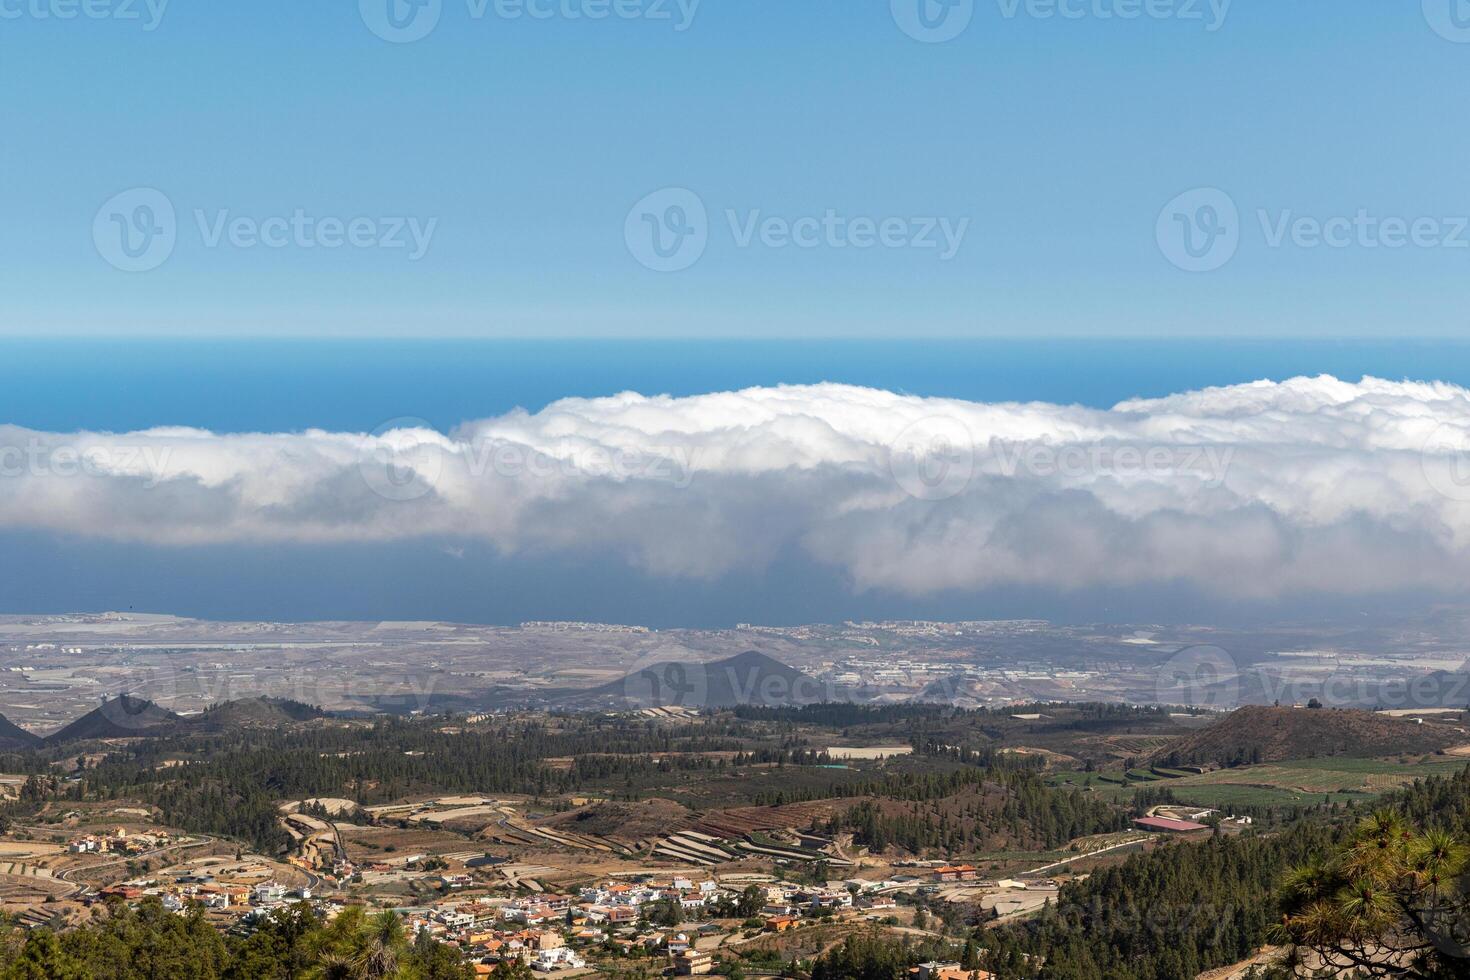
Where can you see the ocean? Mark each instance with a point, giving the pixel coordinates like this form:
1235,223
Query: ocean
355,385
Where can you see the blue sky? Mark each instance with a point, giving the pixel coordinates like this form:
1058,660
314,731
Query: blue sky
1056,141
1046,171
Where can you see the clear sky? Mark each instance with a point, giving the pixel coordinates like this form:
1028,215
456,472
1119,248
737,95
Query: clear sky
1047,146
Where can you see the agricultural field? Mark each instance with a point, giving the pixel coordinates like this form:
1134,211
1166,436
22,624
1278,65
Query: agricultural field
1297,781
868,752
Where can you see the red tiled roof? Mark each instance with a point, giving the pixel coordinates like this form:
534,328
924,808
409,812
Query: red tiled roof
1167,823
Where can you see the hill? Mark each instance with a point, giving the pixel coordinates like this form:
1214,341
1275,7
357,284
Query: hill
13,737
624,821
261,712
1256,734
121,717
746,678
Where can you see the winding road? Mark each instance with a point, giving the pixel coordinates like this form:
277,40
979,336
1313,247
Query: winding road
83,888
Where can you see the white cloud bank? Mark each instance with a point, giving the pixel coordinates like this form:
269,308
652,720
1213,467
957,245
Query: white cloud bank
1251,491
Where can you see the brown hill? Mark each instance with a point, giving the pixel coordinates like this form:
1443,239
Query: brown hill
624,821
13,737
258,712
1261,734
120,717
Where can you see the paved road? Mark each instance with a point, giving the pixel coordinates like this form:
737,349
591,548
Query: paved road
1087,854
83,888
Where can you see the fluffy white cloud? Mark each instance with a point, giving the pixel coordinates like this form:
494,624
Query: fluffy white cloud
1312,484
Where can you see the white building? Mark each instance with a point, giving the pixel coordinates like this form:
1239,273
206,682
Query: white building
269,892
557,958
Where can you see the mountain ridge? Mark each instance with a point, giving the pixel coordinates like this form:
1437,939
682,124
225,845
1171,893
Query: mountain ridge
121,717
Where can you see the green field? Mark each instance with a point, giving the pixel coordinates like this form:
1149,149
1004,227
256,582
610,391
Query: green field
1114,786
1298,781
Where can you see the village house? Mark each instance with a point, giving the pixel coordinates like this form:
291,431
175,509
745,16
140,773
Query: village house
957,872
946,971
557,958
692,963
268,893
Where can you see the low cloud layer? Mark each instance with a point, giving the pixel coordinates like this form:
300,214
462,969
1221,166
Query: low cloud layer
1253,491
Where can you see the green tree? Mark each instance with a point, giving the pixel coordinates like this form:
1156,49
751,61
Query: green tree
42,958
1391,901
430,959
752,900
